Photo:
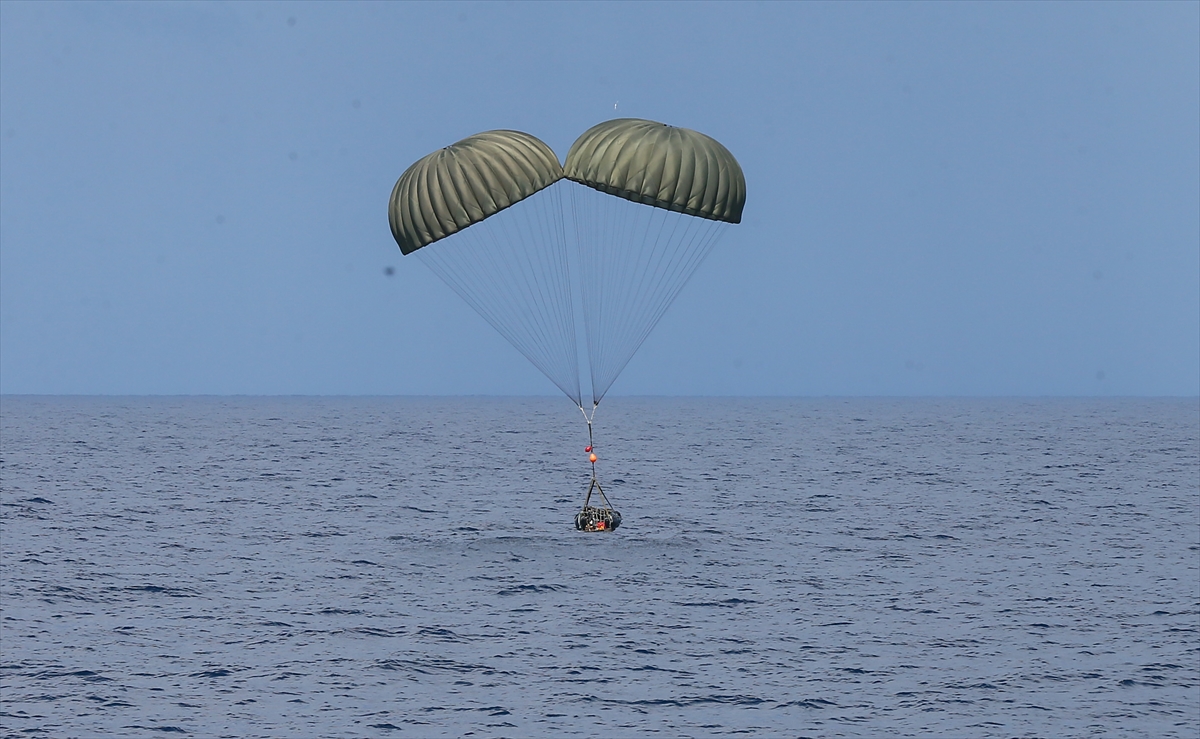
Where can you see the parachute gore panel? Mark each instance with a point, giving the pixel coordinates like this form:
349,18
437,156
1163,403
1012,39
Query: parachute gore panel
673,168
466,182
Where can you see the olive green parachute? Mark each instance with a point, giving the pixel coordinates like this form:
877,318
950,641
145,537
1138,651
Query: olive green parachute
466,182
646,203
674,168
618,231
494,195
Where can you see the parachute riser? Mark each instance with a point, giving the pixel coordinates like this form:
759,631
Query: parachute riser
588,418
591,444
595,519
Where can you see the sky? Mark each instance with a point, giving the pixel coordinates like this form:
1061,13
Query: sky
943,199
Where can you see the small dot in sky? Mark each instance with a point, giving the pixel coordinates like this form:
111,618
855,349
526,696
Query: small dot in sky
389,271
293,155
1100,375
292,21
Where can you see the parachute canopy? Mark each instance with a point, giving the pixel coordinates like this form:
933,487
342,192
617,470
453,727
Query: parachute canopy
657,198
464,183
668,167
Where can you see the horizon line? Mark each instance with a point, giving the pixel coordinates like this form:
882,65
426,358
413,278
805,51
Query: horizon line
548,396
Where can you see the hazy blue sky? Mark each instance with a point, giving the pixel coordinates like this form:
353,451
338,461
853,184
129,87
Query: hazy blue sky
944,198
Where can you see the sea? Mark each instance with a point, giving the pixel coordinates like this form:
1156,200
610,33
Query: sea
787,567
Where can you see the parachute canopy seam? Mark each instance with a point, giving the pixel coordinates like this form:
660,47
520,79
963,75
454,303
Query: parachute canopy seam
641,199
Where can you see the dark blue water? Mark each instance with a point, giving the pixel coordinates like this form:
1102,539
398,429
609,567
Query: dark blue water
271,567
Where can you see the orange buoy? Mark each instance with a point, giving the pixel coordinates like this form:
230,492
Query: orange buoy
592,459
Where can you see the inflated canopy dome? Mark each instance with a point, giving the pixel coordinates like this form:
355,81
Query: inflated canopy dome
465,183
673,168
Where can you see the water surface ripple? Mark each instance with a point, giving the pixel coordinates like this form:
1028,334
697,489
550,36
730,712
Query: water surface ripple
368,567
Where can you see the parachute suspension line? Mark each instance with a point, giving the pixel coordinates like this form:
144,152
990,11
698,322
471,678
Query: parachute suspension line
489,276
610,271
513,271
681,243
633,259
696,242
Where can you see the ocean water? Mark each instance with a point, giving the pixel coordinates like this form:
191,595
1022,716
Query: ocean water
378,567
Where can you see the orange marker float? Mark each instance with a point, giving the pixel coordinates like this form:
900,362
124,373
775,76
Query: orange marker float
592,459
